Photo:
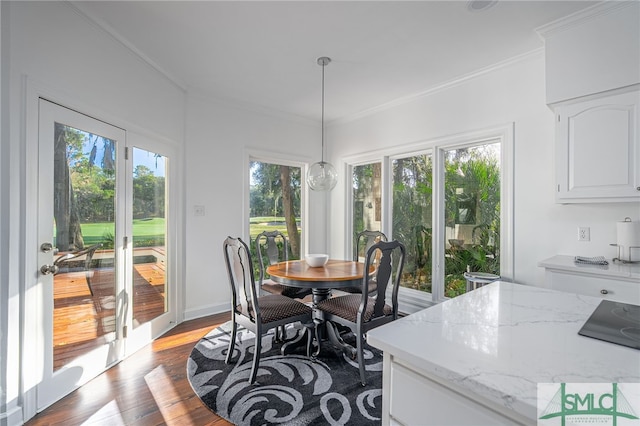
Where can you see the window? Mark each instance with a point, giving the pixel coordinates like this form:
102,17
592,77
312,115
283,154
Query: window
412,217
472,213
275,202
449,202
367,197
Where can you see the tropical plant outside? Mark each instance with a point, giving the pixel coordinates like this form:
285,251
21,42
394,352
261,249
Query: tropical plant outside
412,223
367,198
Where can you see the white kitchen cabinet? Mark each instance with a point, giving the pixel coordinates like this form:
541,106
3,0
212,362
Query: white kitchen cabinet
598,149
417,399
616,281
594,51
605,288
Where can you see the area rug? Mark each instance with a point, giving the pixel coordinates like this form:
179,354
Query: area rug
291,389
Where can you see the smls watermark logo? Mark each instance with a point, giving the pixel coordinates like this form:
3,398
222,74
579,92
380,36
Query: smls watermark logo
616,404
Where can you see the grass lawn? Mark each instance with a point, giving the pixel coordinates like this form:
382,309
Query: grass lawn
143,229
267,223
154,228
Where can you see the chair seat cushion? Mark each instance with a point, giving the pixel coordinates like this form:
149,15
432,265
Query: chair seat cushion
347,307
275,307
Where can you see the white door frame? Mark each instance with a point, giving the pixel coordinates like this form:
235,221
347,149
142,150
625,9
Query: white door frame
30,329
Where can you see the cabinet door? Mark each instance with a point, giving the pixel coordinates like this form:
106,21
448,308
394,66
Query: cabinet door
598,153
416,400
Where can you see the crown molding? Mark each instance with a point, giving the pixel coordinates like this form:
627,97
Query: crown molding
578,18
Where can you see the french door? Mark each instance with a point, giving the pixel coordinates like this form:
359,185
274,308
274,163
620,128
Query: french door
101,247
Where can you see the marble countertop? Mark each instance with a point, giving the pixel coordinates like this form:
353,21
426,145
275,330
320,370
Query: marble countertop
501,340
613,269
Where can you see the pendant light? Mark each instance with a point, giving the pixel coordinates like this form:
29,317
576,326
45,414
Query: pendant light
322,176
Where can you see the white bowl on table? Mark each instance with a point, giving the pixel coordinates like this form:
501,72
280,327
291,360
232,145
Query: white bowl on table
316,260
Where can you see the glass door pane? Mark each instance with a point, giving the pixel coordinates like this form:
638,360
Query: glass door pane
149,232
412,217
472,214
84,287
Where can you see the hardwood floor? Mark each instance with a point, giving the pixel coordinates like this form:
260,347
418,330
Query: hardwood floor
148,388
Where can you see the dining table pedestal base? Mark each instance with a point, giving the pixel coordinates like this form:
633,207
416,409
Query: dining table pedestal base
318,332
331,335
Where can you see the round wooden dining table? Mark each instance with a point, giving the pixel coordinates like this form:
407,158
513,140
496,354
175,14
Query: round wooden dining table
335,274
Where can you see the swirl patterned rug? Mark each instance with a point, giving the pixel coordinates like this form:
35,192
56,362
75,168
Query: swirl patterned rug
290,389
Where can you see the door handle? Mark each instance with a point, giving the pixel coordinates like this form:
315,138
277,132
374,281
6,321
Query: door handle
49,269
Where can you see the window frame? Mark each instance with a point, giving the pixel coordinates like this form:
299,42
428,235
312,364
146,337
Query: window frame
414,300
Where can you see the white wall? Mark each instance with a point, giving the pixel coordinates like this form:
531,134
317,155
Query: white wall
57,52
9,410
512,94
219,139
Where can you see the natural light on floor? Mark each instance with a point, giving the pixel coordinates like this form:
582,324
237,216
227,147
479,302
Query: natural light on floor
110,413
165,396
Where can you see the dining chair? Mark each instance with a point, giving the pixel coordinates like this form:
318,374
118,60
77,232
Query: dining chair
273,247
366,311
363,241
68,261
258,314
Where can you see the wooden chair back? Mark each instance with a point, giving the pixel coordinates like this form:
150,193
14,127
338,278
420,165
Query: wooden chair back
244,299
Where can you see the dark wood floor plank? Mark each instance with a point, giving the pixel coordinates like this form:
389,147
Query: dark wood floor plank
148,388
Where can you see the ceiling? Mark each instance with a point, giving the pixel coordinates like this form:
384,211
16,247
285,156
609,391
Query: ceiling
263,54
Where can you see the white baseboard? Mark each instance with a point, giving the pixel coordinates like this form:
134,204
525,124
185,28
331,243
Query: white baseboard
12,417
204,311
411,301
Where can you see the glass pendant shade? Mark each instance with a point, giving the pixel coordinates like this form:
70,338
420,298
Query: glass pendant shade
322,176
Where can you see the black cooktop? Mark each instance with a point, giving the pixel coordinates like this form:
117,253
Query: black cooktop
614,322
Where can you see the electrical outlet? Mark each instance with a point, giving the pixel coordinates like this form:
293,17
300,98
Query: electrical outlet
584,233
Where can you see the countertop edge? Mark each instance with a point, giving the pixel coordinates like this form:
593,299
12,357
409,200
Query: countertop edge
461,383
566,263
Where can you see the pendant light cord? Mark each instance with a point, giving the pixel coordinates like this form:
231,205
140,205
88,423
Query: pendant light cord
322,116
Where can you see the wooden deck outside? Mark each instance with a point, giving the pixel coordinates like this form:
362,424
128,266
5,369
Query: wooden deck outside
82,321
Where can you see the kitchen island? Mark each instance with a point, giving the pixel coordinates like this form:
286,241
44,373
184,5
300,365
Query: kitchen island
478,358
